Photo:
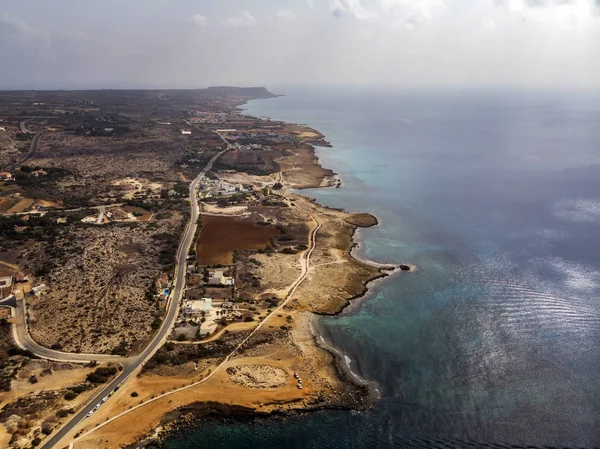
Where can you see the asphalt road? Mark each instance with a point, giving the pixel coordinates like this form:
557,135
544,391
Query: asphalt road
130,365
24,341
32,149
305,265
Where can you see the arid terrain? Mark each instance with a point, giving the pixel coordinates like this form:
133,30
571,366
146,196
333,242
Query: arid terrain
91,222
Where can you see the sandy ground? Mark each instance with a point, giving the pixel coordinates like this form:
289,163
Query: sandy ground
301,170
321,387
270,358
22,206
231,210
333,270
61,377
283,346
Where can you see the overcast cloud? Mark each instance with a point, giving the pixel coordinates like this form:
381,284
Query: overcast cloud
195,43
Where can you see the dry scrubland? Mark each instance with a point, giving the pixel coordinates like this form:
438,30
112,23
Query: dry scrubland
41,397
259,378
145,151
98,277
99,284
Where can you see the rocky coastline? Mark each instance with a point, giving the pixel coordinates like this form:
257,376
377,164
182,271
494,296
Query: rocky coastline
359,394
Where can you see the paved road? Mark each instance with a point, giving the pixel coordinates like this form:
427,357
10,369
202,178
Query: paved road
133,363
305,265
24,128
32,148
24,341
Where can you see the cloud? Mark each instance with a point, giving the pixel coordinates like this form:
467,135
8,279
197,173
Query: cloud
198,20
17,29
411,13
488,24
286,14
352,8
243,20
566,13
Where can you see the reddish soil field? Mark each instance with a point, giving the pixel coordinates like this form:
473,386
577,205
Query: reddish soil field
221,236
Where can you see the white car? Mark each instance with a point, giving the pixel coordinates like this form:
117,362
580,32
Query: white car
97,407
89,414
104,399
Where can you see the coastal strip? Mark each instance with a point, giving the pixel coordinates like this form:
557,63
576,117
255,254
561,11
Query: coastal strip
285,341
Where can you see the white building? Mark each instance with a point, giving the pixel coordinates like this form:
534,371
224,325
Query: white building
198,307
37,291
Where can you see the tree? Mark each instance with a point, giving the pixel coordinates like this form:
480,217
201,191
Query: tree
156,323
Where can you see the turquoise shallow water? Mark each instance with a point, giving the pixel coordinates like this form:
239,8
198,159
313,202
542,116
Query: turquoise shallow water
494,341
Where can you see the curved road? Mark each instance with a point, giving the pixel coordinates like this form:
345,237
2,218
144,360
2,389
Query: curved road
305,271
32,148
130,365
24,341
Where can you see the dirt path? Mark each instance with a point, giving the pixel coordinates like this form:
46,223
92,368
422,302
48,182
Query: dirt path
12,267
305,264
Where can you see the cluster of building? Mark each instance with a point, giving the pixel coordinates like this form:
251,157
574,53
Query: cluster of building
209,117
250,146
209,312
216,277
235,134
214,188
8,176
137,189
113,215
15,286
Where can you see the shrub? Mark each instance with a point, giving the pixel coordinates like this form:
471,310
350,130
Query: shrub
134,394
156,323
101,375
70,395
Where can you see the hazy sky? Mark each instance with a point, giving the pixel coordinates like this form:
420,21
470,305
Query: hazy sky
195,43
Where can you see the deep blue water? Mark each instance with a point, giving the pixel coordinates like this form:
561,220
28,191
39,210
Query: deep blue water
495,340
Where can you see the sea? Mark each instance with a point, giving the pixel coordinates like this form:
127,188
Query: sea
494,341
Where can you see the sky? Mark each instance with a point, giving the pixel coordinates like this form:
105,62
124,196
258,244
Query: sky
73,44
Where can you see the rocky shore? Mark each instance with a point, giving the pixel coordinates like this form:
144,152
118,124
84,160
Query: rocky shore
287,344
